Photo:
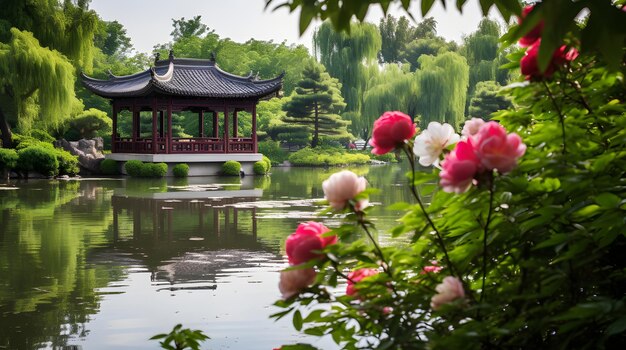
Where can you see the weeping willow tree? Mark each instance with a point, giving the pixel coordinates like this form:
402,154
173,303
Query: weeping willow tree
348,57
41,42
481,51
443,82
393,88
35,82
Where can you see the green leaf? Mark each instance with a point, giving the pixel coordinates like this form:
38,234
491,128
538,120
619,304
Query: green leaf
617,327
426,5
297,320
587,212
608,200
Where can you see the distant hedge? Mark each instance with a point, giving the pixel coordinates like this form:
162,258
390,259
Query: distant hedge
326,157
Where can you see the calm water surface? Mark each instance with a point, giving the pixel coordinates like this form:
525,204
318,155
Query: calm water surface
108,263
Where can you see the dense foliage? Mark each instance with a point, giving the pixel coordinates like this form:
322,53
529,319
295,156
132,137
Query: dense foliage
180,170
109,167
525,254
327,157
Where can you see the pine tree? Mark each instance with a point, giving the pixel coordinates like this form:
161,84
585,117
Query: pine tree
316,104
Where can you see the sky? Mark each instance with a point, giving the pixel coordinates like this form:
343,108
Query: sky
149,22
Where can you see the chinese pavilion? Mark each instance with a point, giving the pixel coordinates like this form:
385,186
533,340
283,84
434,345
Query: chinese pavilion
182,85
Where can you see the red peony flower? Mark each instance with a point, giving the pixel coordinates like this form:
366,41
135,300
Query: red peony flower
292,282
302,244
356,276
391,130
535,33
530,66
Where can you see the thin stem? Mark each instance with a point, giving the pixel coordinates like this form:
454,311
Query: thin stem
485,231
423,208
336,267
561,117
384,263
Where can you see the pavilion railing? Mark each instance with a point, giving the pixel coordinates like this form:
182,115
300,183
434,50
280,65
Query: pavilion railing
184,145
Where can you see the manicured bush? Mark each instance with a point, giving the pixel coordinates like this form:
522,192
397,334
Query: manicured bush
272,150
158,169
40,159
326,157
268,162
8,159
22,141
231,168
260,168
41,135
133,167
109,167
68,163
181,170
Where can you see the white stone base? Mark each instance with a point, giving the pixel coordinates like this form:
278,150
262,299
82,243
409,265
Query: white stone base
199,164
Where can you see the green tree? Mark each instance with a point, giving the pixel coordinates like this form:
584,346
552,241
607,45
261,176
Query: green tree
40,40
433,46
111,38
89,124
347,57
488,100
395,35
185,28
316,104
35,83
442,83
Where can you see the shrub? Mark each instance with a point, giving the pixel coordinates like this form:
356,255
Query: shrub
158,169
41,135
268,162
181,170
133,167
68,163
231,168
22,141
272,150
40,159
109,167
326,157
8,159
260,168
89,124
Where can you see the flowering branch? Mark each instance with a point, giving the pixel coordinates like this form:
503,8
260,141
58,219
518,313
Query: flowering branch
418,198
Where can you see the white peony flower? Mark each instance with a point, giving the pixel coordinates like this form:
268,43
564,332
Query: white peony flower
430,143
342,187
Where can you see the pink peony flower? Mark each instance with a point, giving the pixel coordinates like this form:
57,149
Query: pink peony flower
342,187
535,33
497,150
450,289
391,130
530,66
471,127
356,276
459,168
292,282
430,143
301,246
431,268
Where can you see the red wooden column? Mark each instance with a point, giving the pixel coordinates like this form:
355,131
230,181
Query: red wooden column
254,141
226,145
154,125
169,127
235,123
201,123
161,125
135,127
114,136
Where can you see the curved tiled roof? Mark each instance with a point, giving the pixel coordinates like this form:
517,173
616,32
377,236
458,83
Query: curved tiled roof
183,77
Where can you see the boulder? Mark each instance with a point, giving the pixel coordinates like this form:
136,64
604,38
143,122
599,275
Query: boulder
89,153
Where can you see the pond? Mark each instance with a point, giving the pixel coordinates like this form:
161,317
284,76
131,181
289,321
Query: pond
108,263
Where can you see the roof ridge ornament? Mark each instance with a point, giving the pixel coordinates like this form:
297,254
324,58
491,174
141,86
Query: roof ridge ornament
171,58
165,77
212,57
157,57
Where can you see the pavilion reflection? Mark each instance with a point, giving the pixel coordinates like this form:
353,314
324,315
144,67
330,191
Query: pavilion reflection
186,239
